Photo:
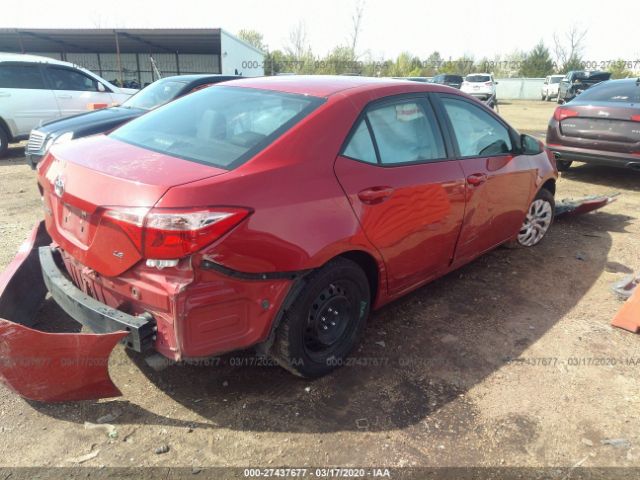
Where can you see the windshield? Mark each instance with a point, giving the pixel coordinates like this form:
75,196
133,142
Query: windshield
625,92
478,78
156,94
453,78
220,126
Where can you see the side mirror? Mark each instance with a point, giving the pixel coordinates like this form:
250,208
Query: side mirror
496,83
530,145
101,87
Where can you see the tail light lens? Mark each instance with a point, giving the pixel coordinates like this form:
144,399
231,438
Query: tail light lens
488,84
174,233
635,118
561,113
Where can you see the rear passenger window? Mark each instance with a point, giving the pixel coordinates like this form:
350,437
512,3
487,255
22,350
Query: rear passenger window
20,76
406,132
360,146
478,133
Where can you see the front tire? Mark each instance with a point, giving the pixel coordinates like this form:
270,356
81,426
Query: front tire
4,142
325,320
538,219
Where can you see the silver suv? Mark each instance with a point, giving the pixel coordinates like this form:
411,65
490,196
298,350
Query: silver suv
35,90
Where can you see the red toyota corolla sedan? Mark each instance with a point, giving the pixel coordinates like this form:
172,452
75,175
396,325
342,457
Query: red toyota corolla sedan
277,212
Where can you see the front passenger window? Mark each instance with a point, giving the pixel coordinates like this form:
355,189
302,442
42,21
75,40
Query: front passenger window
66,79
478,133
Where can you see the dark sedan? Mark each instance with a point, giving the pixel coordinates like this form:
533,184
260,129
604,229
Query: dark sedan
602,125
101,121
454,81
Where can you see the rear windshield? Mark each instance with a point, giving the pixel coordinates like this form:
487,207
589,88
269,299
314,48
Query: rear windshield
154,95
453,78
623,92
555,79
219,126
478,78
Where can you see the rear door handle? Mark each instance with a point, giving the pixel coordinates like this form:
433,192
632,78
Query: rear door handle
65,96
374,195
476,179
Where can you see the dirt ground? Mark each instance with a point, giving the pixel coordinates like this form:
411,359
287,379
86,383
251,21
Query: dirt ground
510,361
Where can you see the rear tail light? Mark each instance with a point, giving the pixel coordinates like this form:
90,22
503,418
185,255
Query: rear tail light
561,113
161,233
635,118
488,84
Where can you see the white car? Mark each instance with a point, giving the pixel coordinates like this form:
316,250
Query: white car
550,87
34,90
481,85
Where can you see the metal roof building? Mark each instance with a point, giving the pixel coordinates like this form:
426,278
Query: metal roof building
138,55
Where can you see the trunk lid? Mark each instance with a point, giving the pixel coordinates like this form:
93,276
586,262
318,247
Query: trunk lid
82,179
606,126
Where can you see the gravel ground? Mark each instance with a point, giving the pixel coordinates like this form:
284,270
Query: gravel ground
510,361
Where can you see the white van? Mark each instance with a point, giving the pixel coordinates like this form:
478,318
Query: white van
34,90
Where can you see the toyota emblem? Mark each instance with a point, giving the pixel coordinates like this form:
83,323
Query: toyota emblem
58,186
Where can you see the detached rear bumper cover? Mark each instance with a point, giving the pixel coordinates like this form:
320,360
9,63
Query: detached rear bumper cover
48,367
95,315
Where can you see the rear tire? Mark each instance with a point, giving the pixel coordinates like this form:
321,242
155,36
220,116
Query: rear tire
4,142
325,320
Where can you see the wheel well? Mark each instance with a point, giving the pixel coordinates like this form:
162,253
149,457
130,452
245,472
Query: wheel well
550,185
370,267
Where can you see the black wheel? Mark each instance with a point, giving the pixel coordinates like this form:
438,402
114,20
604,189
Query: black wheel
563,165
4,142
325,320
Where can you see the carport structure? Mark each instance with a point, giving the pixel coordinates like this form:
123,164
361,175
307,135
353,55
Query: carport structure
139,55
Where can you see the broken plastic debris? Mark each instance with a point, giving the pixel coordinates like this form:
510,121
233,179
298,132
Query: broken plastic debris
582,205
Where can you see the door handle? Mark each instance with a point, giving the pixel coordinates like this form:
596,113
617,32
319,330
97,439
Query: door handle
476,179
65,96
375,195
5,94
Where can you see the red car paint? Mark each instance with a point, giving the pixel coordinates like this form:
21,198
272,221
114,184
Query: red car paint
307,204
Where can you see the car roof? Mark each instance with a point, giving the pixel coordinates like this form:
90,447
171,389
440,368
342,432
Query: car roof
322,85
23,57
197,77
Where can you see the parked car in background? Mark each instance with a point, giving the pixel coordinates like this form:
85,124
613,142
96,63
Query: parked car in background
549,89
172,235
34,90
577,81
601,125
480,85
454,81
101,121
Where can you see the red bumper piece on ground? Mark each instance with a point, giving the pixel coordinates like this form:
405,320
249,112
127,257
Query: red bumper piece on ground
47,367
583,205
56,367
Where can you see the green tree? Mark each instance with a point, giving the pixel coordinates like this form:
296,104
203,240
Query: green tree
537,63
619,69
253,38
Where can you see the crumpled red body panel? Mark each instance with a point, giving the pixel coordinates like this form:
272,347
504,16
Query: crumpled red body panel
56,367
47,367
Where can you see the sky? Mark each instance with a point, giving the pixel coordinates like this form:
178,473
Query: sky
481,28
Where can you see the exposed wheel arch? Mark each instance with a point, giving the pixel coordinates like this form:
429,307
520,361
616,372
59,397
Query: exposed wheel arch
549,185
370,266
